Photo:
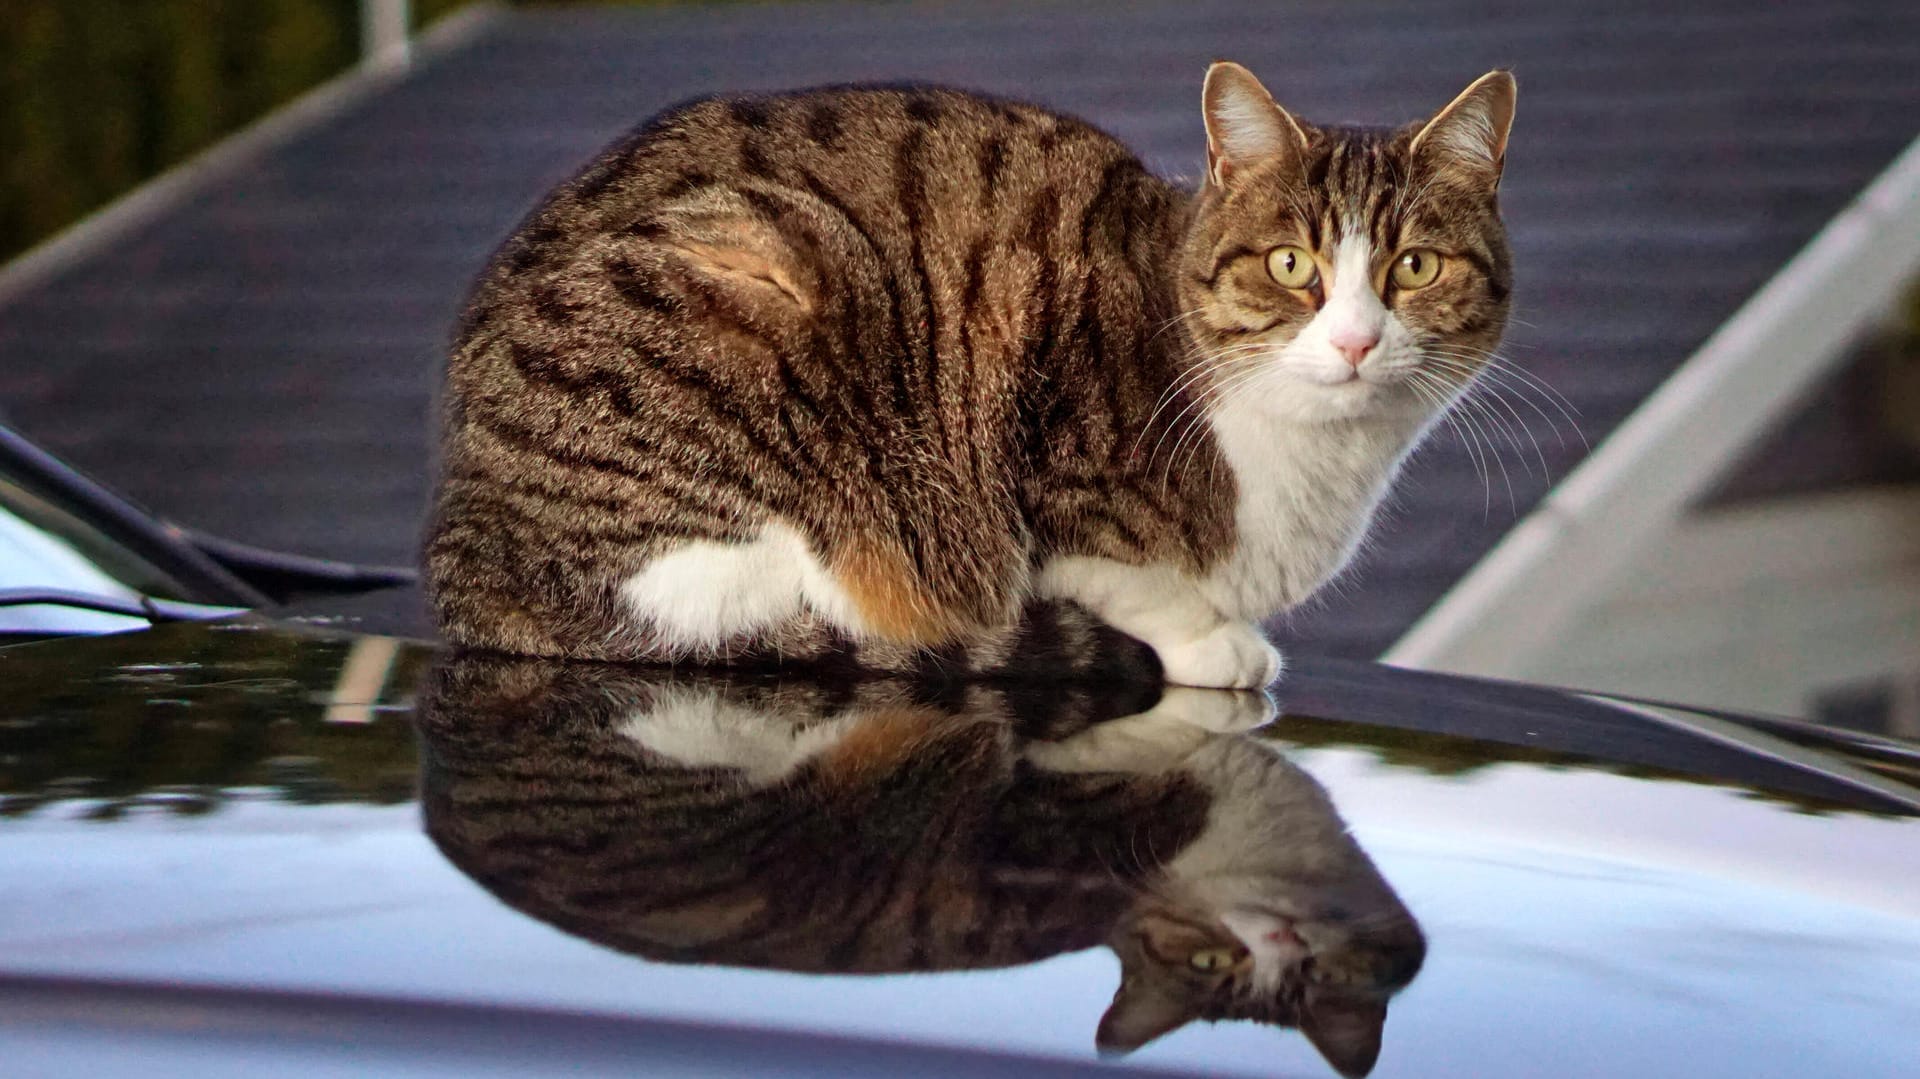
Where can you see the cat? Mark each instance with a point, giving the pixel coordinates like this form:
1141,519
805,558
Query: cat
880,825
883,367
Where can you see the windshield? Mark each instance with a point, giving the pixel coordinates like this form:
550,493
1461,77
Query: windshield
46,547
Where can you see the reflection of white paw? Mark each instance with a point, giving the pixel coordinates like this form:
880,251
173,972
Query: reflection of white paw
1140,744
1179,725
1218,710
1233,656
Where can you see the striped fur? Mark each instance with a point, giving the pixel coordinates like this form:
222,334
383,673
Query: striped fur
888,366
846,825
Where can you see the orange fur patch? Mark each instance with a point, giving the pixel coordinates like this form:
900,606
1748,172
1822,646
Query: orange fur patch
880,742
892,601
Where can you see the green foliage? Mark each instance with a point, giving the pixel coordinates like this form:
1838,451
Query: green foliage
426,12
97,96
101,95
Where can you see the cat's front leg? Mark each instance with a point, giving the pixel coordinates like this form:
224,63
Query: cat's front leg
1197,645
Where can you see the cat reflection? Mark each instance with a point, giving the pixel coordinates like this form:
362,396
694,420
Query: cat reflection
874,826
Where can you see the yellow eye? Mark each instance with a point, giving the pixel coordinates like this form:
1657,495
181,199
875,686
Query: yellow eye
1416,268
1211,959
1291,266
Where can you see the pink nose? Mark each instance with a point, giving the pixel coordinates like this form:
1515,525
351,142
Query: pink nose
1354,344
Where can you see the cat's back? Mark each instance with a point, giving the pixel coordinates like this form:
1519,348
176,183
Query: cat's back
913,157
926,181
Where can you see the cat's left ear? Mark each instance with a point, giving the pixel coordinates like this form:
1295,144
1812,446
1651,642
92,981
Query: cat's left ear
1346,1030
1471,132
1244,124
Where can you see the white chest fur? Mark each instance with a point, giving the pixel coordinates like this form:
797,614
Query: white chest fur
1307,492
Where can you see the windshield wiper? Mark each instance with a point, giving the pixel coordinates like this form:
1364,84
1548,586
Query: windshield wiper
153,610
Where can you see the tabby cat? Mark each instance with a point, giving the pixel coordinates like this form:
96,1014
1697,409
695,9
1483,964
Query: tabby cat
883,365
863,826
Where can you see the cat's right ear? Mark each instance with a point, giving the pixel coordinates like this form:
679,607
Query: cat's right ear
1244,124
1142,1010
1346,1030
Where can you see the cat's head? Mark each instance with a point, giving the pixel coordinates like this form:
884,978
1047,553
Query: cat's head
1327,974
1333,272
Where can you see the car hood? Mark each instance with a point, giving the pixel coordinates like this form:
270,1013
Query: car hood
1601,887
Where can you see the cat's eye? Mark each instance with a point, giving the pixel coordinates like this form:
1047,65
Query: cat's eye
1291,266
1416,268
1211,959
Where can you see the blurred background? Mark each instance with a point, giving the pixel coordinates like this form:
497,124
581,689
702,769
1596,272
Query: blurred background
235,233
96,97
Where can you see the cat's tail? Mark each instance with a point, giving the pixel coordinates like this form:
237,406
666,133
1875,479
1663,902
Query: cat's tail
1054,640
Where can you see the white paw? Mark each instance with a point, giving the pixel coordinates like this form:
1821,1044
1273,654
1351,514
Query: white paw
1217,710
1233,656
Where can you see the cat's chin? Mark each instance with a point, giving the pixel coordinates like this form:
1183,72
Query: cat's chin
1307,401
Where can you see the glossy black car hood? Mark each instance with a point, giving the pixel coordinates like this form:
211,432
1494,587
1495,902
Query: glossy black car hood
1603,889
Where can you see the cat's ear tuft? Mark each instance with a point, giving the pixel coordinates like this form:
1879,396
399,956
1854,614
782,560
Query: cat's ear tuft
1471,132
1244,124
1346,1030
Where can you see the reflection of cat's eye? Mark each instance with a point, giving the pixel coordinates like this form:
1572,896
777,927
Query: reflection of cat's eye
1211,959
1291,266
1416,268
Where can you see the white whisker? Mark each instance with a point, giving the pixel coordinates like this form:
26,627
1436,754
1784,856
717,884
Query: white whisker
1432,389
